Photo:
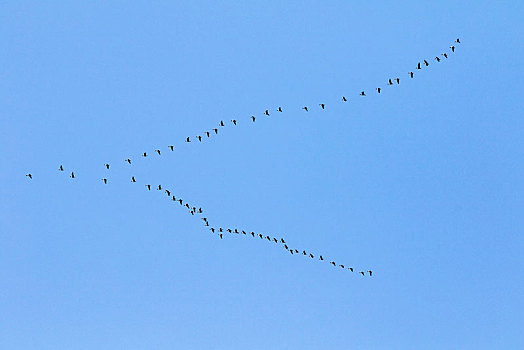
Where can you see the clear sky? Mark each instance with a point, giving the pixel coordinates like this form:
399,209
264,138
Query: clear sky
423,184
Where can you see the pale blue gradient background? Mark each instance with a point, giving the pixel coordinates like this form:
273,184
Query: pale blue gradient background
423,184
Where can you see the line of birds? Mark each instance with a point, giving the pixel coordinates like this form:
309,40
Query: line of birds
234,122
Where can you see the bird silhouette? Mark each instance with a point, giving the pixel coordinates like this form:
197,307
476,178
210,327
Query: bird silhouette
268,238
220,235
378,89
133,179
344,99
180,201
305,108
168,192
148,187
457,41
253,118
418,66
304,252
243,232
322,105
342,266
279,109
445,55
350,268
370,272
452,48
252,233
296,251
159,188
174,198
207,133
260,235
266,112
362,272
426,63
234,121
321,257
221,123
144,155
29,176
390,82
105,181
61,168
220,229
275,240
333,263
157,151
199,138
291,251
286,247
128,160
437,58
411,74
215,130
282,240
106,165
212,229
229,230
187,139
311,256
171,148
362,93
398,80
72,175
200,210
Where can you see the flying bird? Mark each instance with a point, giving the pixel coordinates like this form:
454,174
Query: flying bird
29,176
279,109
286,247
128,160
398,80
311,256
180,201
105,181
305,108
159,188
390,82
452,48
321,258
72,175
362,93
144,155
350,268
445,55
322,105
199,138
266,112
106,165
157,151
187,139
252,233
215,130
342,266
333,263
207,133
362,272
457,41
148,187
304,252
168,192
418,66
221,123
282,240
171,148
174,199
426,63
61,168
344,99
378,89
411,74
437,58
253,118
220,235
370,272
234,121
212,229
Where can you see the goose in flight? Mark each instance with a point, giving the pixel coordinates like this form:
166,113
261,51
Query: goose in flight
229,230
187,139
200,210
268,238
342,266
220,235
418,66
207,133
411,74
350,269
370,272
304,252
390,82
452,48
275,240
398,80
266,112
72,175
437,58
344,99
243,232
333,263
212,229
253,118
174,198
128,160
168,192
311,256
144,155
105,181
157,151
426,63
286,247
362,273
457,41
279,109
282,240
199,138
260,235
221,123
305,108
159,188
180,201
362,93
106,165
378,89
215,130
234,121
252,233
445,55
321,257
171,148
220,229
61,168
322,105
29,176
148,187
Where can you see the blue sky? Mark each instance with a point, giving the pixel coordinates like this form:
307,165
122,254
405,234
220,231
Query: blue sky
421,184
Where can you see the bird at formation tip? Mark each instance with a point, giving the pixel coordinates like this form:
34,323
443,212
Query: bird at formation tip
157,151
29,176
61,168
322,105
234,121
305,108
128,160
171,148
106,165
105,181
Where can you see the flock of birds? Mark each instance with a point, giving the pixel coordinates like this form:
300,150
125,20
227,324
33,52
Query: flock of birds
193,210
